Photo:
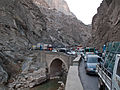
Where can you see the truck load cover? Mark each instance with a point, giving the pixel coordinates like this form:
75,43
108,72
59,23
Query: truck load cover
106,74
112,49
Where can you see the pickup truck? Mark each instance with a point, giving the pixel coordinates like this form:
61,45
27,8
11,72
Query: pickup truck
109,71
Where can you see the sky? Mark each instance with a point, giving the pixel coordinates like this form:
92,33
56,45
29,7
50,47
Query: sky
84,9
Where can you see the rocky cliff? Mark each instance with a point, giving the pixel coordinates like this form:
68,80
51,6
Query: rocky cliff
24,23
106,23
59,5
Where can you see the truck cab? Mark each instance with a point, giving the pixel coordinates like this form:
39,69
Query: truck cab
116,74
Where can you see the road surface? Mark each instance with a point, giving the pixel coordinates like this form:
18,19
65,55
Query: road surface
89,82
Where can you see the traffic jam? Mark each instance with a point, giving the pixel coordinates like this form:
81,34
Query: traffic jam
104,65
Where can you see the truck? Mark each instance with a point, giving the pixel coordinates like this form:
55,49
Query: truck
109,70
89,49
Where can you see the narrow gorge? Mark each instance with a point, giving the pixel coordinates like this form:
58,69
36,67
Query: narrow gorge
24,23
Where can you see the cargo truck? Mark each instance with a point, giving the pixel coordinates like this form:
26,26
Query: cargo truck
109,70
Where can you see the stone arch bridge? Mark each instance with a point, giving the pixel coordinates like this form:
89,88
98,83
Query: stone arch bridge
56,62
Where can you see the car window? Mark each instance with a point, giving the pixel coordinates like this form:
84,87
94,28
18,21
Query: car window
118,68
92,60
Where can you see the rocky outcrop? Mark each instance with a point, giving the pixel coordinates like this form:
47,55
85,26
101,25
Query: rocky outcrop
29,79
25,70
59,5
18,21
106,23
3,76
63,29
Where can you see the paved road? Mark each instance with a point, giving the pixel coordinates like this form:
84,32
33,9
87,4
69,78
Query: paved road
89,82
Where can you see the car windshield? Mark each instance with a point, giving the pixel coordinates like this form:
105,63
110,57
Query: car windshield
92,60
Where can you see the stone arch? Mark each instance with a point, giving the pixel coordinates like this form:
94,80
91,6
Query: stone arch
55,67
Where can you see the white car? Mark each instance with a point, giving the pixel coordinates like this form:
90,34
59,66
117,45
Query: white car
92,61
54,50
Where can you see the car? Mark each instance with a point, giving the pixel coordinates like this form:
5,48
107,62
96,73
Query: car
63,50
54,50
92,61
71,52
86,55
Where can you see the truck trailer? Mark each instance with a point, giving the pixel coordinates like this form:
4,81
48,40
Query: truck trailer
109,70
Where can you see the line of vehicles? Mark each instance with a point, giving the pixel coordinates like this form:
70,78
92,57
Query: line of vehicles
49,47
91,58
107,67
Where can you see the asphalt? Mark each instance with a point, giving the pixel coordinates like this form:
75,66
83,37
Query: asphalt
79,80
89,82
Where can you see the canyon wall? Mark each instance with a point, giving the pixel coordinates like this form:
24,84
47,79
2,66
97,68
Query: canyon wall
106,23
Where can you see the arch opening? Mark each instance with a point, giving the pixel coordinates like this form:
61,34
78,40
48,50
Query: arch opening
57,68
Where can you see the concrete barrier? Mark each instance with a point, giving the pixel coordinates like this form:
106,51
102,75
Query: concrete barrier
73,80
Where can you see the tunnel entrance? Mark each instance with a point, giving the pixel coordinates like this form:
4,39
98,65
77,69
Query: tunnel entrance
57,68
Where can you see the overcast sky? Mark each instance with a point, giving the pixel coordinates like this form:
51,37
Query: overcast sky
84,9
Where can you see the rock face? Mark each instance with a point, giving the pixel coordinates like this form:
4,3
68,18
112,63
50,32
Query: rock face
63,29
24,23
29,79
32,24
3,76
59,5
106,23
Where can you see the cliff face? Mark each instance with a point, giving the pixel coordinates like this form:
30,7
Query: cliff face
24,23
21,25
63,29
106,23
59,5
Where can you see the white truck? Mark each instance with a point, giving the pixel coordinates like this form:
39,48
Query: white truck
109,71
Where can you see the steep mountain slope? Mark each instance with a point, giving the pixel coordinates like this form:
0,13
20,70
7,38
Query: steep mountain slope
106,23
19,21
63,29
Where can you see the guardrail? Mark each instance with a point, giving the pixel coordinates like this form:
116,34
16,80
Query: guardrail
105,78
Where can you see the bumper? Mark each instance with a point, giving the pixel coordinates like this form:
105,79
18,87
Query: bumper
91,72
